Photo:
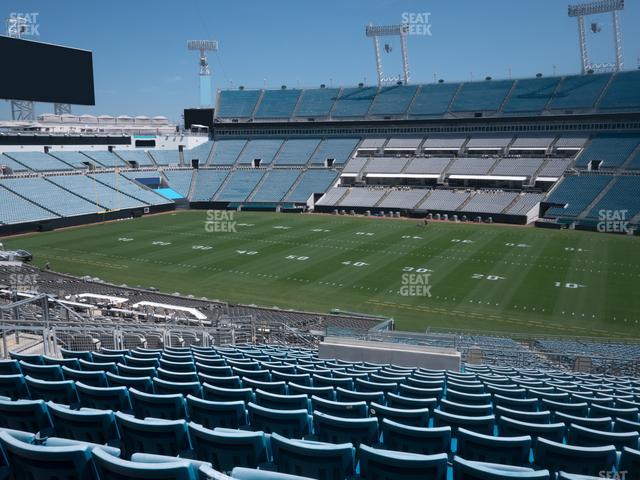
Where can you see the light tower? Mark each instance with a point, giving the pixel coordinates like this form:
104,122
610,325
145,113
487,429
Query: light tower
204,46
20,109
600,6
388,31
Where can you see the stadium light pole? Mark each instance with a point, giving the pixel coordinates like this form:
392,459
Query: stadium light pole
401,31
20,109
204,46
579,11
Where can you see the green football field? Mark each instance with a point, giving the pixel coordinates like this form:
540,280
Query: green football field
455,276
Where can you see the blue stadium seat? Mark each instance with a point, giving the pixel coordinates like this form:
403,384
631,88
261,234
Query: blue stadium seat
215,370
420,392
177,366
481,424
25,415
340,409
622,425
509,427
225,382
113,468
184,388
31,358
329,428
279,388
471,470
167,406
104,398
413,417
366,386
577,409
281,402
630,463
130,371
487,448
290,423
143,384
96,379
42,372
63,392
468,398
588,437
107,357
303,379
351,396
401,401
86,425
141,362
241,473
227,448
313,459
624,413
31,462
327,393
322,381
212,414
378,464
404,438
220,394
557,457
9,367
603,423
521,404
14,386
524,416
162,437
98,366
465,408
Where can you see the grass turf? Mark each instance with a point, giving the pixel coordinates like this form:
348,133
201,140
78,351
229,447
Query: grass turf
481,277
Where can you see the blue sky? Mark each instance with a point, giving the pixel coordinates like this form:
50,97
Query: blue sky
142,66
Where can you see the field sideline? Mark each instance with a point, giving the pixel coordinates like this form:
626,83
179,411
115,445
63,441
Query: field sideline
480,277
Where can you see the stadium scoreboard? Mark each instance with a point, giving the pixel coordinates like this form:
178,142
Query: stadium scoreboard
43,72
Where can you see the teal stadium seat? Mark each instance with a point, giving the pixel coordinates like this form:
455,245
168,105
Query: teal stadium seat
378,464
211,414
312,459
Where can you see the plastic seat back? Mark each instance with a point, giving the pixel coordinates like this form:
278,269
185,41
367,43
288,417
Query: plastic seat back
25,415
557,457
142,384
487,448
226,448
42,372
30,462
183,388
87,425
290,423
329,428
162,437
97,379
423,440
212,414
340,409
472,470
104,398
14,387
166,407
312,459
378,464
114,468
63,392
